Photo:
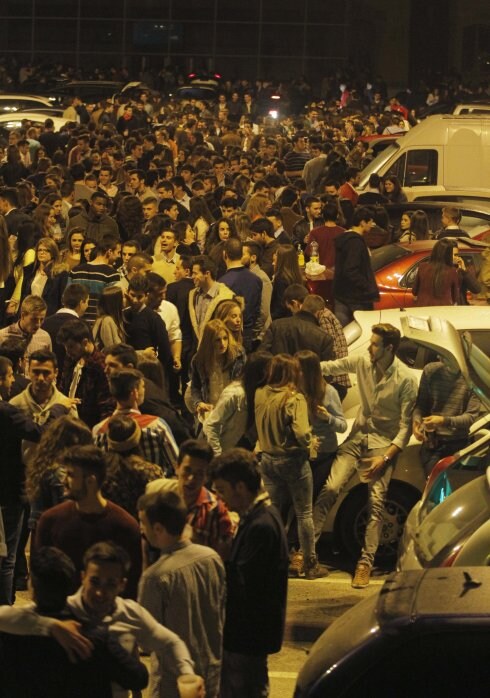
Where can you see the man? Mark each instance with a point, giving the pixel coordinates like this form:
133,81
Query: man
262,231
169,314
325,235
331,190
49,139
98,273
14,349
119,356
41,394
95,224
380,432
185,589
157,441
9,209
138,263
170,209
444,412
347,190
138,186
75,303
206,295
244,284
38,666
251,257
83,374
105,184
206,515
14,427
450,219
86,518
128,250
275,217
256,576
301,331
315,168
165,261
32,316
177,293
313,219
296,159
180,192
98,604
150,210
354,283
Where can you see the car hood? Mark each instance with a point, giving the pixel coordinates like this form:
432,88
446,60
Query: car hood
457,349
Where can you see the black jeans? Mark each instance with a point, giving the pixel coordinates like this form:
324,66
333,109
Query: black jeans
13,516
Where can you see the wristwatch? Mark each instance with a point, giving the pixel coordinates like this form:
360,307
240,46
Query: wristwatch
387,459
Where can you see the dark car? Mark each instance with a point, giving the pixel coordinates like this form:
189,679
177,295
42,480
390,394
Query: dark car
425,633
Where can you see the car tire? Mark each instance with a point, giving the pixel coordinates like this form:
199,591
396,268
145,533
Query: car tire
351,519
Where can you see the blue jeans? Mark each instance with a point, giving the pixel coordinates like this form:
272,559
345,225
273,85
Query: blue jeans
288,479
13,515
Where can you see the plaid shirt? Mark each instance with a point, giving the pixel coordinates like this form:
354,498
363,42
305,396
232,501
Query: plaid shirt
40,340
157,441
332,326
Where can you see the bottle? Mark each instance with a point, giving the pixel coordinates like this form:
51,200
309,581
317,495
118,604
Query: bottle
314,257
301,257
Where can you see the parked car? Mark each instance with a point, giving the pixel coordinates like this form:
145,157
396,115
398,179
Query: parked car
12,103
347,519
12,122
424,633
475,214
395,267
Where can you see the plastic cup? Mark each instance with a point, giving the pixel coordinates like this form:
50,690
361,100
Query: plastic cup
191,686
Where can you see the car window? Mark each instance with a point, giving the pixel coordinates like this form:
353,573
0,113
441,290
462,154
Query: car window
408,279
482,340
424,663
450,522
386,254
421,168
455,476
398,168
473,224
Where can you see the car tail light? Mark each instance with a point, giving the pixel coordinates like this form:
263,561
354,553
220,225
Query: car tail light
191,75
439,467
448,562
217,76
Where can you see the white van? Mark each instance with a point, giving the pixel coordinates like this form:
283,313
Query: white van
444,153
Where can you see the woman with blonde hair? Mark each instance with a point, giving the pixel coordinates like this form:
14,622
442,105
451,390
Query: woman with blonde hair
47,276
108,329
218,361
242,225
44,216
258,206
285,439
231,313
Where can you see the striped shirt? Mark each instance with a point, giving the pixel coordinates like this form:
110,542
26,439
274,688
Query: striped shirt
95,277
157,441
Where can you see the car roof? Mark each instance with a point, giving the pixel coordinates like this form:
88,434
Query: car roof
434,594
14,97
470,205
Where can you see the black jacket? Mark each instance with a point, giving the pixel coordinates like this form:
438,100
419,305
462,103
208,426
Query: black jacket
256,581
354,280
156,404
300,331
52,291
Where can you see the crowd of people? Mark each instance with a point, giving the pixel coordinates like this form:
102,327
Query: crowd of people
170,389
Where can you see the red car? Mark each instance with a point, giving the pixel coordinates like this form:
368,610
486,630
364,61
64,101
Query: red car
395,267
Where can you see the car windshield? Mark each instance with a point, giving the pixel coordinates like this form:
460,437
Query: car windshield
377,164
386,254
454,519
455,476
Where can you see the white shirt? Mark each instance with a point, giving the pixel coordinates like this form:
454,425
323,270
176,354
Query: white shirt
170,316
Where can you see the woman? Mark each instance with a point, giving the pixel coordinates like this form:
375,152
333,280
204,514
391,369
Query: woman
108,329
218,361
393,190
47,276
200,219
437,281
221,232
286,272
128,472
419,226
87,250
45,218
404,234
233,418
13,170
56,202
242,224
72,255
258,206
230,312
45,482
285,438
186,237
23,254
129,217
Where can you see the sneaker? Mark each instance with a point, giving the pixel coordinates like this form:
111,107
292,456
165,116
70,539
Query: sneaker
296,564
361,576
313,570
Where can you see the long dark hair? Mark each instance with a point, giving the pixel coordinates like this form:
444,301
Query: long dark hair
312,380
255,376
287,266
28,235
440,259
419,225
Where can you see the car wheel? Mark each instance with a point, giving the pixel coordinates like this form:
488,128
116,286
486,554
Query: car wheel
351,519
